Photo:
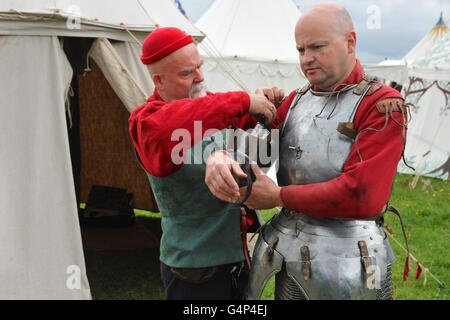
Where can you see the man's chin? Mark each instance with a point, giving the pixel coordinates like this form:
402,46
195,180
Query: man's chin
315,79
320,83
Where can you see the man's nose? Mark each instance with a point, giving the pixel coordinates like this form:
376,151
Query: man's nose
199,75
306,58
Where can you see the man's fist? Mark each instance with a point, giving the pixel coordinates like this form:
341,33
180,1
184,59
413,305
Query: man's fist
260,106
221,175
274,94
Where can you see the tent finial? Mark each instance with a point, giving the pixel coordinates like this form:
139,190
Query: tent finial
441,19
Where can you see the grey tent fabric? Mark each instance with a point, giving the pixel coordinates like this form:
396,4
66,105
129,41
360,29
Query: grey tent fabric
40,240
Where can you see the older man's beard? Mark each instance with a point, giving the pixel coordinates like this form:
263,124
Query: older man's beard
198,90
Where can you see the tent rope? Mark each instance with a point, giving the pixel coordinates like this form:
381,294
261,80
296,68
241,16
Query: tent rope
123,25
425,270
13,13
210,49
88,68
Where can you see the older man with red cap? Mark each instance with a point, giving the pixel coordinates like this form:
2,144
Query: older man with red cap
201,243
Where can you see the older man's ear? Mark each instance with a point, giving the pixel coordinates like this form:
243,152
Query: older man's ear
159,82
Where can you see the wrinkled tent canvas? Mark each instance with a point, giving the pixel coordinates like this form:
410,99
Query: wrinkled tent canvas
40,237
41,249
254,41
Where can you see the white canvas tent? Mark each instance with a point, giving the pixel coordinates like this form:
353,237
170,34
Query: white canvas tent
427,91
424,73
252,39
399,70
421,49
43,51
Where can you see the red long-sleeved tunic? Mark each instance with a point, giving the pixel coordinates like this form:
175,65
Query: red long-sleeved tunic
153,123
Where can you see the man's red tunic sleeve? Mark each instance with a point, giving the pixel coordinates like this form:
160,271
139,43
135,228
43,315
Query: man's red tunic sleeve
364,187
153,123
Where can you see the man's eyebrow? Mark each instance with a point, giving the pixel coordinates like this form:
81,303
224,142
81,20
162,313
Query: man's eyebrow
188,69
312,44
191,69
319,42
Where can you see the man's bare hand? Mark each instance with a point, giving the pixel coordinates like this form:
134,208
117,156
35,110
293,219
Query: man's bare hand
274,94
261,106
221,175
265,193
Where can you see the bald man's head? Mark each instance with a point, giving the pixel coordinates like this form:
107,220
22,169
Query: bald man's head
328,15
326,42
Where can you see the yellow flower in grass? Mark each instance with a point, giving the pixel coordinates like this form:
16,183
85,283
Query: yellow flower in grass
442,190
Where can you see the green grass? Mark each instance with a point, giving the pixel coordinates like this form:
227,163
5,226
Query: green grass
127,274
134,274
426,213
124,275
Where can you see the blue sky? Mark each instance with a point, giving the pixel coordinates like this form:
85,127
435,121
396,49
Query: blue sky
401,23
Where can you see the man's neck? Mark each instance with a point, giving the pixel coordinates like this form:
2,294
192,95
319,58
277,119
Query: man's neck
164,97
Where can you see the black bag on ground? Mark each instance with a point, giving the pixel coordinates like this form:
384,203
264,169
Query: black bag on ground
108,207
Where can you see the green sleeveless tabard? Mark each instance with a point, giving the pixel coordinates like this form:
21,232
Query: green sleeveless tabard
199,230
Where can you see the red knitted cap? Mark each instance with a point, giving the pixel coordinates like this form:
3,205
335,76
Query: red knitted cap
162,42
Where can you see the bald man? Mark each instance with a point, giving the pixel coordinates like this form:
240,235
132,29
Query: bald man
341,139
201,248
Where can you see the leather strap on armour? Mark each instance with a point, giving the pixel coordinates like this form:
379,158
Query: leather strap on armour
244,228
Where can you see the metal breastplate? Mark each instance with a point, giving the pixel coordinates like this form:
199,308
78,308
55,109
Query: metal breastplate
320,258
311,149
